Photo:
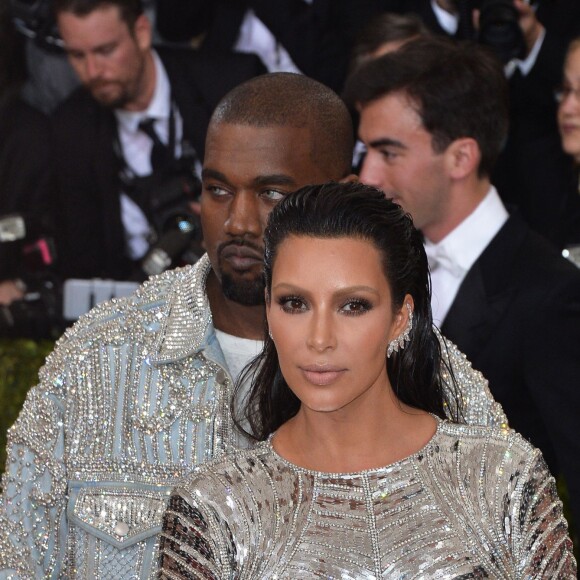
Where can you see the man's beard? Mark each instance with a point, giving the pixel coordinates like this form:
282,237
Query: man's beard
245,292
117,101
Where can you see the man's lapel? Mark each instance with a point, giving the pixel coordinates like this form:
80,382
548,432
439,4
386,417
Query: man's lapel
485,294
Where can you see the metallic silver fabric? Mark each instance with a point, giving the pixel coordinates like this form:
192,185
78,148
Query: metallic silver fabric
133,397
475,502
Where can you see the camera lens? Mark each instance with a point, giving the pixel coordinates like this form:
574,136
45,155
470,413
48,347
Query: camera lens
500,30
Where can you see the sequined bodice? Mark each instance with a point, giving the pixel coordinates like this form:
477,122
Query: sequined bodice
474,503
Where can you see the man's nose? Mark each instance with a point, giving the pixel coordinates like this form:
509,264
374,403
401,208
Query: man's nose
371,173
93,67
244,215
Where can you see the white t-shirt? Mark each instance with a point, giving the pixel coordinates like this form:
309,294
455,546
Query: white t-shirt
238,352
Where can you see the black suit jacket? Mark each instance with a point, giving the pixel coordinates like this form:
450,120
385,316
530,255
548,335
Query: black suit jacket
312,34
86,169
517,318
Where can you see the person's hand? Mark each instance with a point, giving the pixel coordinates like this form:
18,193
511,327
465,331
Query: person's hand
530,25
10,290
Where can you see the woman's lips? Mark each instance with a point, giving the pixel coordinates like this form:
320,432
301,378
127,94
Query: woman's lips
322,375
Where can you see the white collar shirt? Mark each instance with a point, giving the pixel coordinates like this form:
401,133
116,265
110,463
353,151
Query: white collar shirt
255,37
451,259
136,149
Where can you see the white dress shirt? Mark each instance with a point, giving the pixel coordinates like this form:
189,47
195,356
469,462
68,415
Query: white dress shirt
136,148
453,256
255,37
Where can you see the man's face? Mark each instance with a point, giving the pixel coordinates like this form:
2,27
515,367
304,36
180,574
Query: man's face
247,170
108,58
400,160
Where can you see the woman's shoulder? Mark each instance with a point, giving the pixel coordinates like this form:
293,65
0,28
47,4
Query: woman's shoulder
235,469
483,461
486,442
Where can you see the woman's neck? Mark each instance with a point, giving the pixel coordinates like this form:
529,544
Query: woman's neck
364,436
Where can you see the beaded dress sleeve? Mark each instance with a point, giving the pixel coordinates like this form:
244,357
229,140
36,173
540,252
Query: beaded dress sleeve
541,546
194,545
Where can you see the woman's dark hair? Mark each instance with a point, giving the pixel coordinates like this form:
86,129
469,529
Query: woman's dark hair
351,210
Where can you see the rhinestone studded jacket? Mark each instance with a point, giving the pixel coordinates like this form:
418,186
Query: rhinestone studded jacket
133,397
475,502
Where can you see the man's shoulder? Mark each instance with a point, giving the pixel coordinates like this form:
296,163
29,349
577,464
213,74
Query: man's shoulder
79,105
175,293
528,256
206,78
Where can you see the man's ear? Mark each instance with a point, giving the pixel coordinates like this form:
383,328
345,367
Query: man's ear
462,158
352,178
142,32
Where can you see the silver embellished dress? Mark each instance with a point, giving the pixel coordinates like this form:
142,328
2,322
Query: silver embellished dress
475,502
134,396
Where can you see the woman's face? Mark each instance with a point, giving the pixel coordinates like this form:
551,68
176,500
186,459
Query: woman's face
569,108
331,318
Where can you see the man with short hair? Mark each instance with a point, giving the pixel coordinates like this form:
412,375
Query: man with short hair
138,392
128,142
433,119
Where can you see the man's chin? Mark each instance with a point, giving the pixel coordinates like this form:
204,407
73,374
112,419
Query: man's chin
110,99
248,292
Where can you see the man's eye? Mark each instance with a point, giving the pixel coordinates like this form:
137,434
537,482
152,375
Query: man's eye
292,304
388,154
273,195
216,191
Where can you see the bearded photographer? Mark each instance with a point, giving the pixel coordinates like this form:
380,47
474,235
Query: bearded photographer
127,143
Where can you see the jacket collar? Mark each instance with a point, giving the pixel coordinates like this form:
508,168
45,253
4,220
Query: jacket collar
188,315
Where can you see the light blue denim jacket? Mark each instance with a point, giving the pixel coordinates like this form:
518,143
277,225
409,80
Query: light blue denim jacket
133,396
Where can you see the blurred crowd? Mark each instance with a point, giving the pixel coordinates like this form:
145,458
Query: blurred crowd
103,122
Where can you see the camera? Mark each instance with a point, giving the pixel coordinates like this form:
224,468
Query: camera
499,26
35,19
27,253
165,197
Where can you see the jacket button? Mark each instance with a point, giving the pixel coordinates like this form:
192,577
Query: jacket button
221,376
121,529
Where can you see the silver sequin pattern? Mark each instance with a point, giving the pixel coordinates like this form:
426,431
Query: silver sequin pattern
476,502
127,404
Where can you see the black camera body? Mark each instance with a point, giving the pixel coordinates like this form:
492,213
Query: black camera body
35,19
499,26
165,197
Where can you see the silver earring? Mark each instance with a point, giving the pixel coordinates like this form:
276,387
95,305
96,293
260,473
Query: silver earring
270,334
404,337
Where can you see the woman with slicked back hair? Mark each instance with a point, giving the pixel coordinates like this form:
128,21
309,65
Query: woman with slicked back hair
360,470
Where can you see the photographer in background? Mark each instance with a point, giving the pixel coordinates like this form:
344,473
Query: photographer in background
128,141
24,174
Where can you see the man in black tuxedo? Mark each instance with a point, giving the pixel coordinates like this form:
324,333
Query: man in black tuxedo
138,121
532,162
433,118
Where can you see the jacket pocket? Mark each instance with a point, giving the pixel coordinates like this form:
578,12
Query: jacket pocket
118,514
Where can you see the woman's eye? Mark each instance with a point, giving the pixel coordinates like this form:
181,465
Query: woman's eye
356,307
292,305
